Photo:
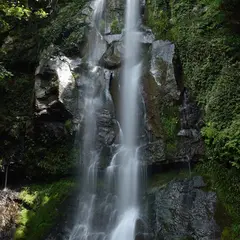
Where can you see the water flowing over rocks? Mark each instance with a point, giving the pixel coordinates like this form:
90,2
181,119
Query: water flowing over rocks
182,210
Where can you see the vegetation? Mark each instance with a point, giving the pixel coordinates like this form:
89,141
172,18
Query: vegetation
226,183
115,28
66,31
39,24
207,38
170,124
210,56
52,161
14,16
40,208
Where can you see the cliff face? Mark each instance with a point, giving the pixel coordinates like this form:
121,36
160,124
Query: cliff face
207,40
38,132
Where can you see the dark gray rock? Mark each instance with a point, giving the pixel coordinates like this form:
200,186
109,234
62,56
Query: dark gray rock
153,152
160,85
93,91
162,69
182,210
190,142
113,56
169,105
147,36
114,14
107,127
54,85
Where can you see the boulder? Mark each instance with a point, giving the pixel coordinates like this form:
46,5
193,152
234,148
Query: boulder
113,56
54,89
162,69
181,210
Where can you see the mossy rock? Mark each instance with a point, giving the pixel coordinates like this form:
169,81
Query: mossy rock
41,207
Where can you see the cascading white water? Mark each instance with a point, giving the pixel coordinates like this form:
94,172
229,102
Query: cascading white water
118,207
128,164
90,156
6,177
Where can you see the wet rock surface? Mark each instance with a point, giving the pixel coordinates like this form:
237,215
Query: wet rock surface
113,56
182,210
9,207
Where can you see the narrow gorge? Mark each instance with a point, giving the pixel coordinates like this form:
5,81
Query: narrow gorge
119,120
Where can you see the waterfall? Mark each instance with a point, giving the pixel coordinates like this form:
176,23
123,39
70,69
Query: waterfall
112,214
89,156
128,169
6,177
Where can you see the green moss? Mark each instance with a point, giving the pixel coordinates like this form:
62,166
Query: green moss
40,208
115,28
170,124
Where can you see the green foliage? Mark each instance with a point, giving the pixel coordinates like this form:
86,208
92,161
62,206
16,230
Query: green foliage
4,74
225,182
16,11
67,30
210,57
41,13
17,87
158,18
224,145
43,159
115,28
170,125
40,208
19,10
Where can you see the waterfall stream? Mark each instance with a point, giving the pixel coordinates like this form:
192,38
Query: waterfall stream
128,169
118,205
